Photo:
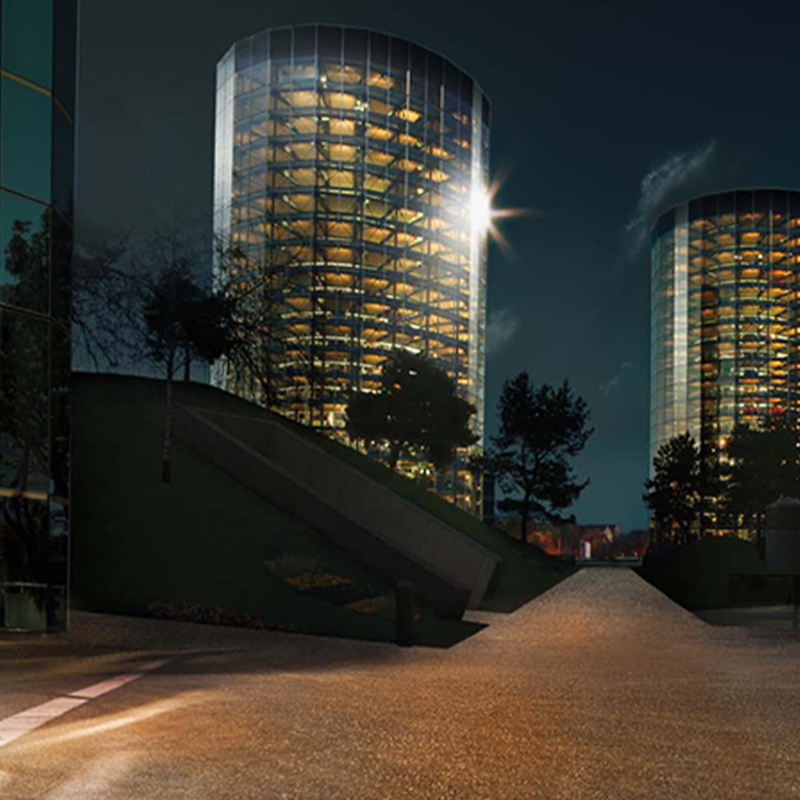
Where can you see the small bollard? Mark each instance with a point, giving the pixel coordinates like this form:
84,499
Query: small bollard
404,613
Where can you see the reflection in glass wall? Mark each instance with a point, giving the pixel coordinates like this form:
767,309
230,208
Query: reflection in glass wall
350,163
725,335
37,106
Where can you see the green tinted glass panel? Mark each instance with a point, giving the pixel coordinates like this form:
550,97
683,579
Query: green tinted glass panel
27,39
24,253
25,135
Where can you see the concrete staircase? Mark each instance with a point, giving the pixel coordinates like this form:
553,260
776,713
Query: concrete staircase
390,535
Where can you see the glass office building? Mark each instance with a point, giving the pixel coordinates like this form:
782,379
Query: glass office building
725,330
355,166
37,108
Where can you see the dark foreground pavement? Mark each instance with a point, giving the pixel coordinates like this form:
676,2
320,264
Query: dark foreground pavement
600,688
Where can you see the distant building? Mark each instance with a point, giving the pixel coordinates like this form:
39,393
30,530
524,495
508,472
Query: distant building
37,96
353,166
599,539
601,531
724,321
565,539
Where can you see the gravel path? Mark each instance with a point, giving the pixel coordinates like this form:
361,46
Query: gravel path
600,688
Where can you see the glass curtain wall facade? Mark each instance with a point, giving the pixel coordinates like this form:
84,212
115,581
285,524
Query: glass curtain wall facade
352,163
725,339
37,108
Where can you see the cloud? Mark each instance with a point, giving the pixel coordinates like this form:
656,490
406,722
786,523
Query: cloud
501,329
608,387
664,177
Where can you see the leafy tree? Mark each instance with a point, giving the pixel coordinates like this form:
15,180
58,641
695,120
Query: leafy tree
675,492
417,408
540,430
762,465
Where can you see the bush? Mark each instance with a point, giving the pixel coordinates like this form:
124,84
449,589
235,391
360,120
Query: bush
190,612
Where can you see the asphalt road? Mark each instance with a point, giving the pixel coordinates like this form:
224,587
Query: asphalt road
600,688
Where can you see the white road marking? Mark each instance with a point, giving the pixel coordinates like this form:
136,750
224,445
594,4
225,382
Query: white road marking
98,689
11,728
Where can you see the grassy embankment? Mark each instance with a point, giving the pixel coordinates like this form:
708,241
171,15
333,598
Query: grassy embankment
205,540
528,570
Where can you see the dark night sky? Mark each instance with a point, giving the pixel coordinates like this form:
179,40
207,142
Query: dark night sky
603,114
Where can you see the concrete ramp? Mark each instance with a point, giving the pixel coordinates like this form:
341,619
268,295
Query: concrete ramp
391,536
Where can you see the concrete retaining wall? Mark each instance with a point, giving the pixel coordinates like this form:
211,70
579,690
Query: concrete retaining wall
359,513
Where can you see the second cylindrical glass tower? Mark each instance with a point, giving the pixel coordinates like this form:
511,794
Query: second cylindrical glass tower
725,327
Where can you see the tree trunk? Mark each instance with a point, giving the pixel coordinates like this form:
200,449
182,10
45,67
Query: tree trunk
165,462
523,534
187,363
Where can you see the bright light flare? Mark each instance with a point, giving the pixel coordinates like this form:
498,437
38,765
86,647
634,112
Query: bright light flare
483,213
480,210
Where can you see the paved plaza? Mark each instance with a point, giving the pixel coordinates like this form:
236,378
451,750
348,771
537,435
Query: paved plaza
600,688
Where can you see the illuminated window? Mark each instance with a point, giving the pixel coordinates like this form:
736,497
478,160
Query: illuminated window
378,244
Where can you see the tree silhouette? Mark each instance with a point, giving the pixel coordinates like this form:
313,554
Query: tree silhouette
417,409
181,317
675,492
540,430
262,337
762,465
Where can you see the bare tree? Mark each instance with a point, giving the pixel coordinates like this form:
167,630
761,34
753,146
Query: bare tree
182,318
144,303
105,313
148,303
264,346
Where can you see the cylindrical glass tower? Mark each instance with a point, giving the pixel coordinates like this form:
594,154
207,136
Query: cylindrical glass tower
37,108
355,165
725,338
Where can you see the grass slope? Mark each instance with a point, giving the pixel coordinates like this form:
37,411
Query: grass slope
202,539
528,570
